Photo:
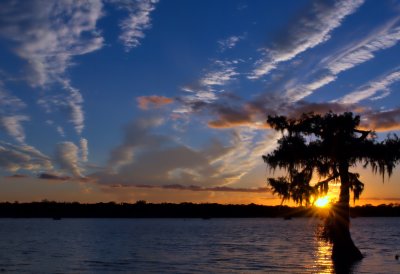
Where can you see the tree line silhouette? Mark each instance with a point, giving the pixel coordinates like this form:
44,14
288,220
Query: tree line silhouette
141,209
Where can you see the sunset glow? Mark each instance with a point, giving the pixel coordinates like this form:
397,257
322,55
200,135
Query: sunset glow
126,100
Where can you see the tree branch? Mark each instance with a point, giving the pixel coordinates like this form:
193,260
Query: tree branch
364,133
322,183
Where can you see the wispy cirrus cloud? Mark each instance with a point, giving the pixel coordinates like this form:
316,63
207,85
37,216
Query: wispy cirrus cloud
137,22
223,73
229,42
10,117
84,149
153,101
208,87
9,103
371,89
13,126
23,157
351,55
298,91
74,106
310,30
364,50
48,36
68,100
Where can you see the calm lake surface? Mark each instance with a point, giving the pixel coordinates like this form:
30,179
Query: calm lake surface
188,246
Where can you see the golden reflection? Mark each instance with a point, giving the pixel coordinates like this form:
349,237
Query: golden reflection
323,253
323,256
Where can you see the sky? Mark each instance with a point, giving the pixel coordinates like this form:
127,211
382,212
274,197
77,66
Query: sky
166,101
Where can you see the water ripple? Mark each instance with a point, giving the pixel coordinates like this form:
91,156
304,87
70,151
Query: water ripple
191,246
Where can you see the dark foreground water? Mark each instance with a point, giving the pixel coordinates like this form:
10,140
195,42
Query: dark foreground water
188,246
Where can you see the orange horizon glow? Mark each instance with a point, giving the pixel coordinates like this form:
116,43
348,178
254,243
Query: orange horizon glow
33,189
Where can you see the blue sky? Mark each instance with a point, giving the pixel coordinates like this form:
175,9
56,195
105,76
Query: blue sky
127,99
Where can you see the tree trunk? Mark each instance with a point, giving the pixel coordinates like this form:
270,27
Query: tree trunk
344,249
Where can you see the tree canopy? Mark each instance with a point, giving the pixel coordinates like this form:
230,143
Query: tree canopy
326,146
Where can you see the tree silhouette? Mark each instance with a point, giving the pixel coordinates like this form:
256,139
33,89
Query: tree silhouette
327,146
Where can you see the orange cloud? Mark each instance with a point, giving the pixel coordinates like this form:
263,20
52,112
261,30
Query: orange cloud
254,114
229,117
384,121
153,101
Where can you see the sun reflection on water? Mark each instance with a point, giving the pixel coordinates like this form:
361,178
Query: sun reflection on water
323,256
322,253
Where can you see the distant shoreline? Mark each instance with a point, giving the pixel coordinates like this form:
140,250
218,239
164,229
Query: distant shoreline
141,209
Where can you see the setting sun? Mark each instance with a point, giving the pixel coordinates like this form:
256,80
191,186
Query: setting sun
322,201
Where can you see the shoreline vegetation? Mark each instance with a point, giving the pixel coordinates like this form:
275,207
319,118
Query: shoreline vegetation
142,209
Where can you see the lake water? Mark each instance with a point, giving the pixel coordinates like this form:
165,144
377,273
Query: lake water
188,246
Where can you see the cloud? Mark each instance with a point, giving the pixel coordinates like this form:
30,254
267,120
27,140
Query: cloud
166,165
60,131
137,22
363,51
224,73
249,115
233,117
309,31
8,102
371,88
207,90
10,118
22,157
66,156
145,157
196,99
300,91
48,35
137,134
254,114
75,109
12,125
383,120
153,101
350,56
49,176
70,101
84,149
229,42
198,188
